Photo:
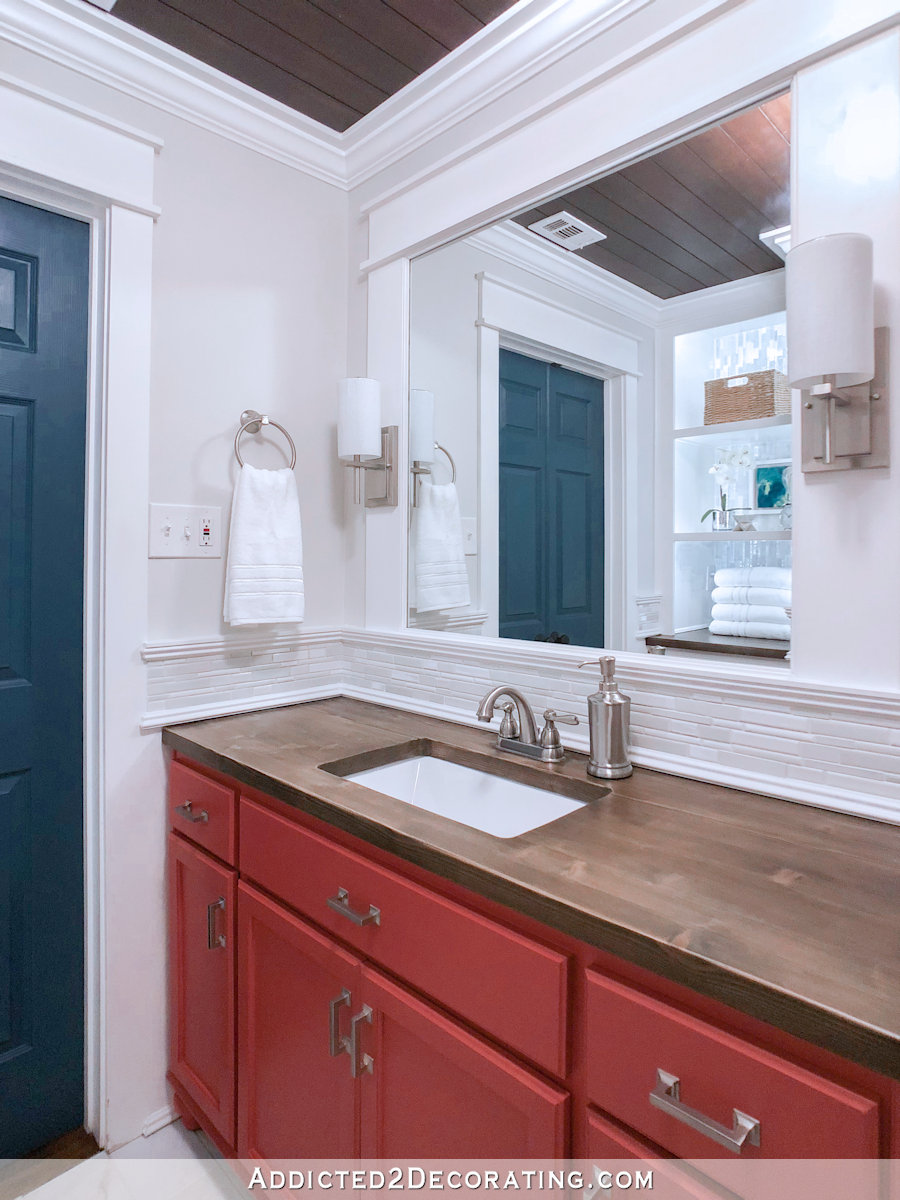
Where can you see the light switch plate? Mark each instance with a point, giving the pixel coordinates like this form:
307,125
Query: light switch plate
185,531
470,535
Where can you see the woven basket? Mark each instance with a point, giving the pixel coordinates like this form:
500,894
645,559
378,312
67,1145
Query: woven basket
746,397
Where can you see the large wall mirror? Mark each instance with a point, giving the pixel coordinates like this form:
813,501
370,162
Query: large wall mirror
600,422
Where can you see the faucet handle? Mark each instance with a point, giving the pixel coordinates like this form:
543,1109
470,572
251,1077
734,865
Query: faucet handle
560,718
550,734
509,726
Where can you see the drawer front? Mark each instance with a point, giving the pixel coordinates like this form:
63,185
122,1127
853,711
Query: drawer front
203,810
631,1037
611,1149
509,986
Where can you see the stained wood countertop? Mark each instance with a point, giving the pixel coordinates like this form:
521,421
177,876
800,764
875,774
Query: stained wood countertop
788,913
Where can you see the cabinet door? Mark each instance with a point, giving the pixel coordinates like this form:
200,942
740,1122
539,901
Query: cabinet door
297,1098
202,897
435,1090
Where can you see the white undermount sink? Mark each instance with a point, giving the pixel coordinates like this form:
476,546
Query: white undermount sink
496,805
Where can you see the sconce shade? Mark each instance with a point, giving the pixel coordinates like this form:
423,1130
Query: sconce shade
830,311
421,426
359,419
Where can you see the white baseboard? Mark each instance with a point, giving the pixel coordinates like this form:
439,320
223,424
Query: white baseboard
158,1120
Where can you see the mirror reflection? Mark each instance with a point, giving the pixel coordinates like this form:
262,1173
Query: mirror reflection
599,415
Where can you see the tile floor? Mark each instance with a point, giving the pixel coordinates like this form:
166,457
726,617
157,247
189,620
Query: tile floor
172,1164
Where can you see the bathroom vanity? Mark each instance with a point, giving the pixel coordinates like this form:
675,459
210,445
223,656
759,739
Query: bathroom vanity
674,969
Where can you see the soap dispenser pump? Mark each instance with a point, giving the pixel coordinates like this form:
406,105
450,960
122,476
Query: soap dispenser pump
609,717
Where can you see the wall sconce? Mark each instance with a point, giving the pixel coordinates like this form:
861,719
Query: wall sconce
835,355
365,445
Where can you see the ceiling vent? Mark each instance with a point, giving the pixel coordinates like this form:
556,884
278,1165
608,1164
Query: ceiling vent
567,231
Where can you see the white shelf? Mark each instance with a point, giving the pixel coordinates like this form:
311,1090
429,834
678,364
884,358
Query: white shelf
733,535
729,428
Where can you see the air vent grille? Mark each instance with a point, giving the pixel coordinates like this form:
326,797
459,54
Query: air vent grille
567,231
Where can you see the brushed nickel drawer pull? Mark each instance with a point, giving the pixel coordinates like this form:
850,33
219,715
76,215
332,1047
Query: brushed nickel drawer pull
336,1044
360,1065
186,810
214,941
667,1097
341,904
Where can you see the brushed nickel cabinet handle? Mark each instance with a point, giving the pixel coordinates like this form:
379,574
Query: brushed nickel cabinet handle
214,941
336,1044
360,1064
341,904
186,810
667,1097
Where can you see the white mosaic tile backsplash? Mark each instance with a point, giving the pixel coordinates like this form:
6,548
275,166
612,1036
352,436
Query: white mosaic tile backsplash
755,729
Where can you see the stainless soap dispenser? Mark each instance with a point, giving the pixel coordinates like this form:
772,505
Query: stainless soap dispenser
609,718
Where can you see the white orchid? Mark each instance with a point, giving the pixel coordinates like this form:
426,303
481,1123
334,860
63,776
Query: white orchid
724,470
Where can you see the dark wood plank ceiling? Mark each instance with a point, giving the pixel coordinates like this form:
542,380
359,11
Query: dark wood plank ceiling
690,217
334,60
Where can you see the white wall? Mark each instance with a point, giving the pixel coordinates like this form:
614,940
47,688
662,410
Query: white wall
248,309
846,117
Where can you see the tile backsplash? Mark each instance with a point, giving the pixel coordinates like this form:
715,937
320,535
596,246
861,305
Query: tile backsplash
756,729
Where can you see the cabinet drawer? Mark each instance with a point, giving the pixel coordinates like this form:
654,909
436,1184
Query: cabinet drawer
631,1036
512,988
608,1146
203,810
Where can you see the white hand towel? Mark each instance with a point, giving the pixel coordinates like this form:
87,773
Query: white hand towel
753,629
777,597
441,577
767,577
769,613
264,576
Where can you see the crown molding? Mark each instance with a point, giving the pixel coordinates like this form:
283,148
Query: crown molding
89,41
526,40
519,248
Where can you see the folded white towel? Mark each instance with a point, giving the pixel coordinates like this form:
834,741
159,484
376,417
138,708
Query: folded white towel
769,613
264,577
778,597
441,577
767,577
754,629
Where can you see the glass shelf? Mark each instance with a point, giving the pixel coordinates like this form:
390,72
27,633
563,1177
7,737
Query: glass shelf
735,535
727,429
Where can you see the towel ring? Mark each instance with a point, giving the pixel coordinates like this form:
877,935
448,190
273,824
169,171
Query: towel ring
449,458
252,422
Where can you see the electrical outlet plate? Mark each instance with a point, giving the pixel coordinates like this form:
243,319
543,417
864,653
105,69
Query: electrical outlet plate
185,531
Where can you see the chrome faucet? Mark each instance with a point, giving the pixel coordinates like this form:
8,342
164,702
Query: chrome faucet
518,731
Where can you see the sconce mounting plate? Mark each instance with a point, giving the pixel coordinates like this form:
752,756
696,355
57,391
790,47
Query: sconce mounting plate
844,429
381,475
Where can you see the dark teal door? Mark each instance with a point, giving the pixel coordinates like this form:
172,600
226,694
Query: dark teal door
551,503
44,265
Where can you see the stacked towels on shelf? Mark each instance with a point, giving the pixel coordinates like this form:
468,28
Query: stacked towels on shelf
751,602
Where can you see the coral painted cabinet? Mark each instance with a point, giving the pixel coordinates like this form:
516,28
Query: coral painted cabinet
202,894
338,1061
297,1098
438,1091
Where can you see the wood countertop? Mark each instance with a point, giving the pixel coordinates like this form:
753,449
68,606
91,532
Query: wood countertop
788,913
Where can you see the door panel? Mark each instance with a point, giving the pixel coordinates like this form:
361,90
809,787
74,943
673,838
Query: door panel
551,502
44,281
296,1099
201,965
438,1091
